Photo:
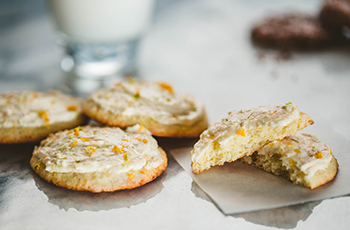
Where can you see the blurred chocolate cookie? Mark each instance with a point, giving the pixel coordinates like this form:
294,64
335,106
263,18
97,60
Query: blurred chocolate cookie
335,14
291,32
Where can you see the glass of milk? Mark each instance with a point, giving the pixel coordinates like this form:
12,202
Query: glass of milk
101,36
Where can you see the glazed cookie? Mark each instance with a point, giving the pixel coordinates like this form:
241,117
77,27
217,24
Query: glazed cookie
99,159
31,116
302,159
153,105
335,14
291,32
243,132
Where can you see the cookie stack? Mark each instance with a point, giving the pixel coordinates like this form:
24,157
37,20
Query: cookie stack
123,155
266,137
296,31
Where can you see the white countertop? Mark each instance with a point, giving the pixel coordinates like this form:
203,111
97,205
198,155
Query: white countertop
201,47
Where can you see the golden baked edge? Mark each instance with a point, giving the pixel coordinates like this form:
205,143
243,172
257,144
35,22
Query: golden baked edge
156,128
17,135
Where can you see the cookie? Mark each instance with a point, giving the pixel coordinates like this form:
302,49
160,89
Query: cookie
31,116
335,14
245,131
291,32
302,159
153,105
99,159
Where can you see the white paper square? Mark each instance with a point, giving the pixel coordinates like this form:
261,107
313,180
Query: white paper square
236,187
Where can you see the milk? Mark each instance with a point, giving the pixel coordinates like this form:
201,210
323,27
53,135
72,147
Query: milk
101,21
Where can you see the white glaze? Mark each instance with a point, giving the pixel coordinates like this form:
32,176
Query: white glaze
29,109
149,99
228,128
135,150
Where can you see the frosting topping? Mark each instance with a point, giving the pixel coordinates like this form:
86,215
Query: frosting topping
35,109
152,99
99,149
237,122
304,151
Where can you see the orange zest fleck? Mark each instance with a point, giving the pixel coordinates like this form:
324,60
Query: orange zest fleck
211,137
37,166
241,132
74,143
116,149
116,100
140,128
76,131
45,116
35,94
139,139
123,149
273,112
125,140
166,86
319,155
72,108
90,149
145,141
331,151
271,144
84,139
118,84
130,175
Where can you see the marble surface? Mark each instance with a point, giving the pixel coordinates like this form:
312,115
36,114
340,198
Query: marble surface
199,46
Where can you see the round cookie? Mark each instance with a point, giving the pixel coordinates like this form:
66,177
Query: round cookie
99,159
30,116
291,32
153,105
335,14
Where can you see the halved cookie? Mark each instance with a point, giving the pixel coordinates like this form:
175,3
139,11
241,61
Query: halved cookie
31,116
153,105
243,132
99,159
302,159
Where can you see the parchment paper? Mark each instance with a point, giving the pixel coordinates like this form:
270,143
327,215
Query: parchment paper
237,188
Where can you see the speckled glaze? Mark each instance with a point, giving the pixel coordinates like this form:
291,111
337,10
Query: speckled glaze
238,121
99,149
35,109
156,100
